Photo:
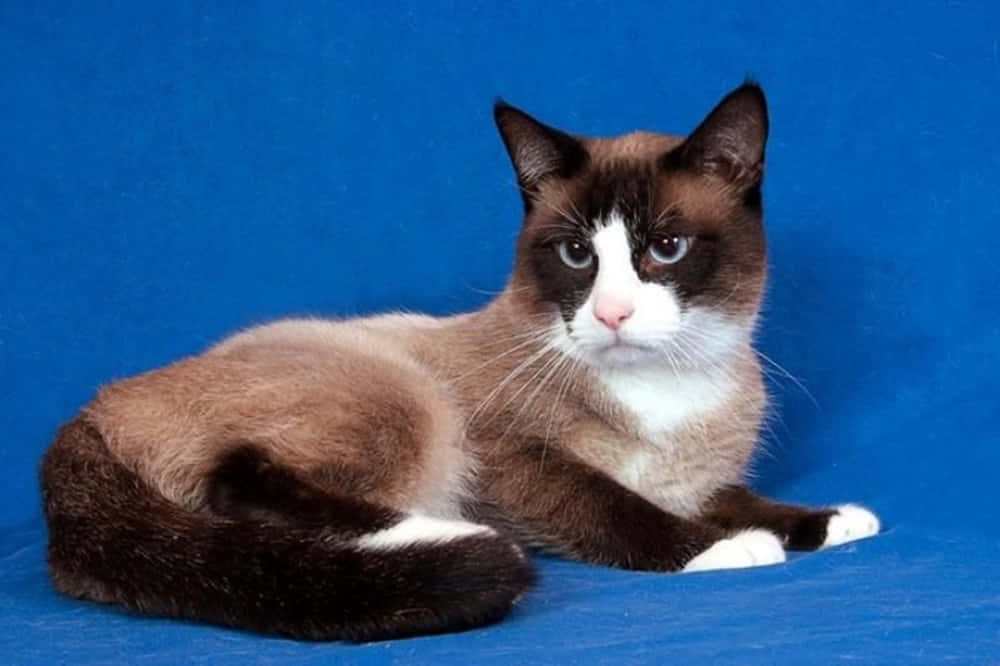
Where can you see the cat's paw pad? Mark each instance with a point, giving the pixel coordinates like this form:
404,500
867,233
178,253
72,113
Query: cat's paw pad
751,548
849,523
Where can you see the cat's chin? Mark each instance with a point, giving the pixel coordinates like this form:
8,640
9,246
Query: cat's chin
622,355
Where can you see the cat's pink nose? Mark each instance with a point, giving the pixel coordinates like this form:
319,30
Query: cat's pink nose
613,313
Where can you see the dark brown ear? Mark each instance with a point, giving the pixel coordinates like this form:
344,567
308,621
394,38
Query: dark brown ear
730,141
537,151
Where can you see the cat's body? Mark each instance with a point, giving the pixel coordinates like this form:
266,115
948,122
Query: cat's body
399,432
336,478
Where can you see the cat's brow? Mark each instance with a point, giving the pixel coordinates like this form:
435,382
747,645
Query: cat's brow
665,217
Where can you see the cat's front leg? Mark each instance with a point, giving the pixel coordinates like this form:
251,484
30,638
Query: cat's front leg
549,498
801,528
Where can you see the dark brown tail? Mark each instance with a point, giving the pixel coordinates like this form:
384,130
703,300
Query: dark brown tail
112,538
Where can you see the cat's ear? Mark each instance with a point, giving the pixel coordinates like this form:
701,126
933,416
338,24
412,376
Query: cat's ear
538,152
730,141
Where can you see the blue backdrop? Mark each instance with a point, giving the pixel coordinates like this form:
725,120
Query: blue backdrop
171,172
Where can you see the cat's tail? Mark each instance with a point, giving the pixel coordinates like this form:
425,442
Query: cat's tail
112,538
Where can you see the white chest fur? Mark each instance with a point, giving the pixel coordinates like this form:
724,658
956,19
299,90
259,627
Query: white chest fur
661,400
670,466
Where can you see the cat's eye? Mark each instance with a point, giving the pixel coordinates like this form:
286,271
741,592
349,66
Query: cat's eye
670,249
575,254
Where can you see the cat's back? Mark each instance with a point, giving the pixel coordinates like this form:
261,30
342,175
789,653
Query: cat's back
382,334
306,390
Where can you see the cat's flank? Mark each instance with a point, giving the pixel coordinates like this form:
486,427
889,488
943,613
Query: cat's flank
373,478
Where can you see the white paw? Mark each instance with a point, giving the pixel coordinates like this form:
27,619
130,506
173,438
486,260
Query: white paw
752,548
851,522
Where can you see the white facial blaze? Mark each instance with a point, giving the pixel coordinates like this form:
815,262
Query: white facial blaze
616,282
637,316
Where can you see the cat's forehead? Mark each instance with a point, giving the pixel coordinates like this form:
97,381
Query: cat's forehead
639,147
624,177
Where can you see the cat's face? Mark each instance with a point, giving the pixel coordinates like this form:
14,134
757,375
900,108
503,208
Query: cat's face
645,248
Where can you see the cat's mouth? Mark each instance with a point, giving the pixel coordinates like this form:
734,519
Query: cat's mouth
624,350
614,350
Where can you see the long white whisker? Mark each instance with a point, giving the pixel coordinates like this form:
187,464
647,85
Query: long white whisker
549,346
521,345
788,375
548,368
580,219
551,206
567,383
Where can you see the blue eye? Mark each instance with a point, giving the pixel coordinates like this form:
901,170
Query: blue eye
669,250
575,254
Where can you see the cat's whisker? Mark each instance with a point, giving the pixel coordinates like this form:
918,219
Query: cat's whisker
546,319
671,360
534,339
785,373
548,347
568,382
519,336
765,422
664,215
736,287
692,345
494,292
711,370
575,219
580,217
684,356
722,345
709,336
535,332
695,361
535,199
548,368
569,228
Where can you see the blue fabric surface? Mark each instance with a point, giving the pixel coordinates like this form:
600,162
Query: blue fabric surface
170,173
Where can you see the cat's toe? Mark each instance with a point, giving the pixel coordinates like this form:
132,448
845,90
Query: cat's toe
750,548
850,523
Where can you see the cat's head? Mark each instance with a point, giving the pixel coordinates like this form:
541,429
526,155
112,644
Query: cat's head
645,247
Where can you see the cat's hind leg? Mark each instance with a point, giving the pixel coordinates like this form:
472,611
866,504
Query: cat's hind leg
269,552
247,485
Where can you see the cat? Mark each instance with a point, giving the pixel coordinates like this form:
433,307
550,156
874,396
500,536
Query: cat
373,478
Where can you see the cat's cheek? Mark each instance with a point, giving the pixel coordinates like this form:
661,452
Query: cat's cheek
657,313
